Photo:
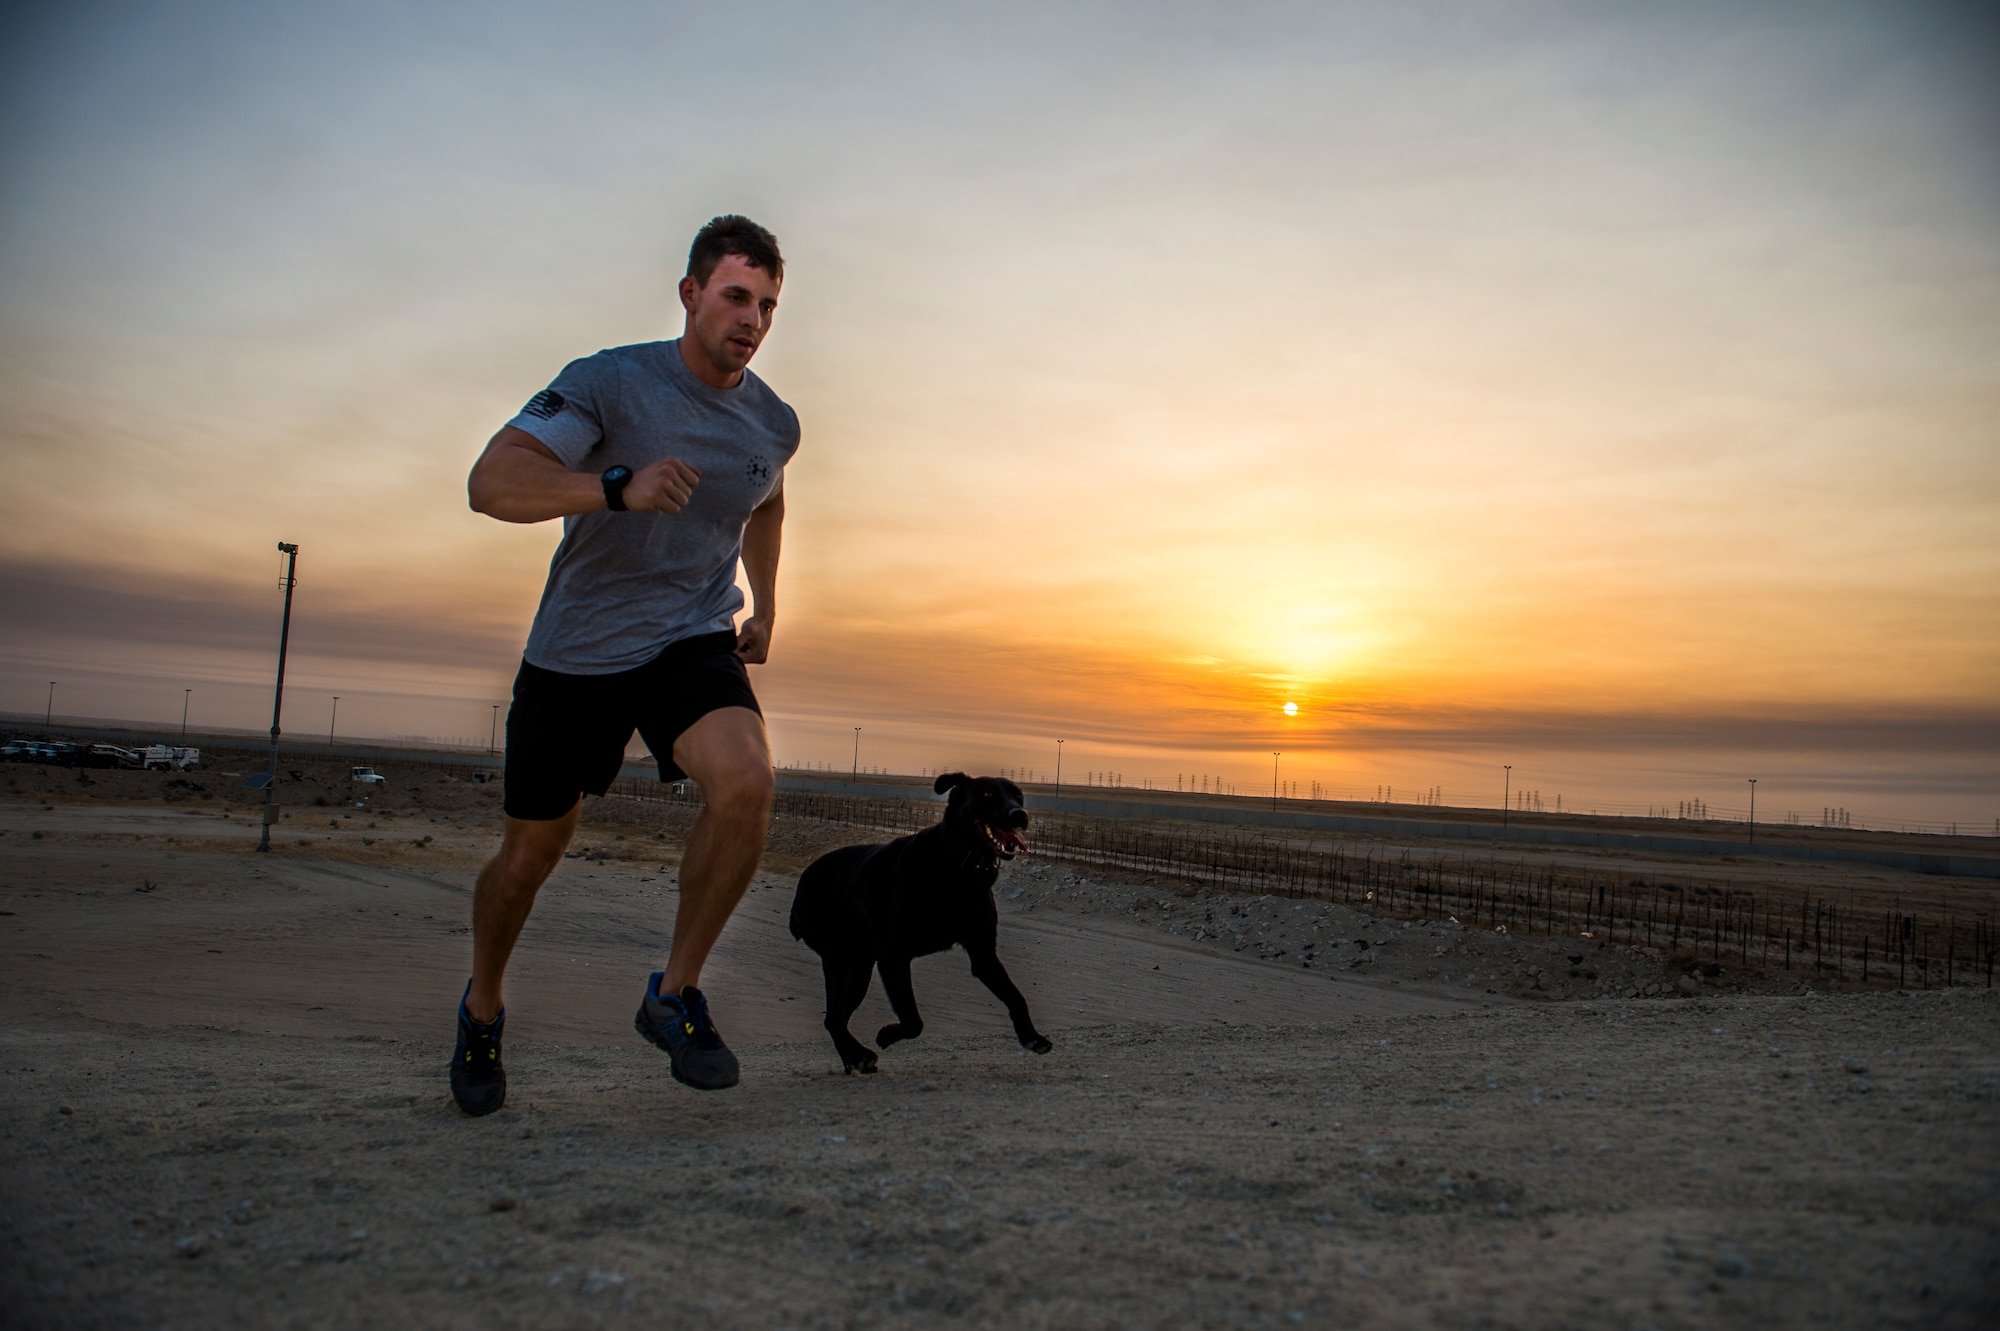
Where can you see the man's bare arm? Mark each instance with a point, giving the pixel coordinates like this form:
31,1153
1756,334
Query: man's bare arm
761,538
518,479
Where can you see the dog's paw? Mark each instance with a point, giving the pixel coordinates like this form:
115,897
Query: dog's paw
861,1067
1037,1044
893,1033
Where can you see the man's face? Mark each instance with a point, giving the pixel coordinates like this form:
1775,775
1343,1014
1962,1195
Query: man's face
730,315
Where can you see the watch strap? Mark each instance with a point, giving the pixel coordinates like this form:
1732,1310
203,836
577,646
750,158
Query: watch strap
614,488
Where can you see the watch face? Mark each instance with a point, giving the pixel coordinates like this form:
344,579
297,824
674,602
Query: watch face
618,475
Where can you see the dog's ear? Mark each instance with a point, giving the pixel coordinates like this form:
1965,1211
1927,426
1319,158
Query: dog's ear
950,779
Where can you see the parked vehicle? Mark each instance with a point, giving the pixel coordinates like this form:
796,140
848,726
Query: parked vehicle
67,755
41,752
157,757
110,755
367,776
168,758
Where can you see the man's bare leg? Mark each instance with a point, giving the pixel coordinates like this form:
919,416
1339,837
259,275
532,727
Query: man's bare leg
728,753
529,851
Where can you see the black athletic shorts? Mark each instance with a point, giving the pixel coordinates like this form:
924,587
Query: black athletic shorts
566,734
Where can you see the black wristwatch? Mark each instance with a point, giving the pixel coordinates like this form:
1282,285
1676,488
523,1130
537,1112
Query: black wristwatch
615,479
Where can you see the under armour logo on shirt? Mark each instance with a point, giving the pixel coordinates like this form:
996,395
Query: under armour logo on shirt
544,405
760,470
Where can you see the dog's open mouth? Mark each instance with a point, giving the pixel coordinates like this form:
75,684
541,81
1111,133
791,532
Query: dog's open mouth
1006,842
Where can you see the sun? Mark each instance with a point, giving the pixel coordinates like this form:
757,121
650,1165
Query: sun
1291,709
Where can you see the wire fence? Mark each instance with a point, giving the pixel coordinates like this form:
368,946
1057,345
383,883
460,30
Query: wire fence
1838,935
1727,923
290,759
1310,795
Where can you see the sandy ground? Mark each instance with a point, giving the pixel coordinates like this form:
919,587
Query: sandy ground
224,1104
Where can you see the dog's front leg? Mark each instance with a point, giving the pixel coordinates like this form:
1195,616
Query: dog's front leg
909,1023
846,986
986,968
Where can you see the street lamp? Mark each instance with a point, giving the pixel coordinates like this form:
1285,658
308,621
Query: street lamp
1059,745
291,581
331,719
1274,781
187,696
493,732
855,776
1753,810
50,718
1507,793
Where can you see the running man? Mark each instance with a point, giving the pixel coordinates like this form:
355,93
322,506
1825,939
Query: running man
665,461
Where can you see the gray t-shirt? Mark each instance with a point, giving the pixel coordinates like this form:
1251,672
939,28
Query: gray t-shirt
624,585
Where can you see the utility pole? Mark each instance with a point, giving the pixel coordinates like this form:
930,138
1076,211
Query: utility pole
1753,810
187,696
493,733
50,718
291,553
331,719
1059,745
855,776
1274,781
1507,793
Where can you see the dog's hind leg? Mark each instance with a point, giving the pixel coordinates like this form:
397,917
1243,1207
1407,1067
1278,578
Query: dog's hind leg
909,1023
986,968
846,986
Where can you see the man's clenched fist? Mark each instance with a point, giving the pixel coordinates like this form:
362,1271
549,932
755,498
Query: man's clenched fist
661,487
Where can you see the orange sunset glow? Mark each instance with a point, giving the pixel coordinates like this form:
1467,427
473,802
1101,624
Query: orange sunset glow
1611,396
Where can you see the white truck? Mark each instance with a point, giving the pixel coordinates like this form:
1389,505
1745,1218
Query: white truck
367,776
168,758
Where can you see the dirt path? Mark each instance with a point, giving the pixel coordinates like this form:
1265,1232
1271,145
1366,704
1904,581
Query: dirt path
224,1105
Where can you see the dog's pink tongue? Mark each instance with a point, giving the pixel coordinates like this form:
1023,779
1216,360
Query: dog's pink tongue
1010,841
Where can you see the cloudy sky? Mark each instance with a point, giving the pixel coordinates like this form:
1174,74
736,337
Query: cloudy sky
1611,389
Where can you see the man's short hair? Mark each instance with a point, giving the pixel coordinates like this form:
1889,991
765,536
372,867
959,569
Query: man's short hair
732,234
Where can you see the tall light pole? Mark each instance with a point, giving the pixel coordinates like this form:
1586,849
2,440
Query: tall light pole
50,719
291,553
493,732
187,696
1059,745
1507,793
1753,810
331,719
855,776
1274,781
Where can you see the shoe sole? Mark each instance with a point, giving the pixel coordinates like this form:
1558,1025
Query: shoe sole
646,1030
479,1111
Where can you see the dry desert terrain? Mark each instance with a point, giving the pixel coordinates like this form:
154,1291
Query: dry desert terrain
224,1104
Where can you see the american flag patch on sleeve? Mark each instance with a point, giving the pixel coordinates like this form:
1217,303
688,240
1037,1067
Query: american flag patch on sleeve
544,405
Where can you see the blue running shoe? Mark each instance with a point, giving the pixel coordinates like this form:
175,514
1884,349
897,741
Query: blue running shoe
679,1023
478,1079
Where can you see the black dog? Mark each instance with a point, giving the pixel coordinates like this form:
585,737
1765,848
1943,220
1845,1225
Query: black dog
865,908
